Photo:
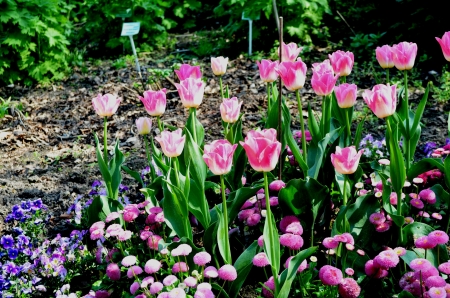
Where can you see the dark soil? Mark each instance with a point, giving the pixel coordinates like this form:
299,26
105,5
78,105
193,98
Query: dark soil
50,154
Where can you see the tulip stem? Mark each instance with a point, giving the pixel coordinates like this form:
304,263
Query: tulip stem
221,88
343,79
387,76
302,124
347,120
408,133
152,169
344,191
269,103
159,124
175,167
272,249
227,257
194,128
105,139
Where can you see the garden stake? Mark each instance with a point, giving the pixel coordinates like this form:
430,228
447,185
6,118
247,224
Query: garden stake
280,84
302,125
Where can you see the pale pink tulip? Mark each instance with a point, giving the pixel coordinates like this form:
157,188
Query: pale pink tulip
323,78
267,70
346,160
262,149
219,156
230,109
191,92
346,95
144,125
154,102
293,74
385,56
404,55
382,100
445,45
105,105
219,65
342,62
172,143
289,52
187,71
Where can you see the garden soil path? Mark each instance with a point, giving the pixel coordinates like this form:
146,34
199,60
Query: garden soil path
50,153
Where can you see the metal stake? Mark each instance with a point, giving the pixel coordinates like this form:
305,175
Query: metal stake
280,95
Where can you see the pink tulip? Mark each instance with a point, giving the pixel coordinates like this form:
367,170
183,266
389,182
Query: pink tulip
229,109
385,56
172,143
267,70
154,102
342,62
262,149
445,45
346,95
219,65
346,160
323,79
404,55
219,156
144,125
293,74
105,105
191,92
187,71
289,52
382,100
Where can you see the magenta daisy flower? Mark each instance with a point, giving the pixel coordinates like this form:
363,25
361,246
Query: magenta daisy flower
387,259
439,237
349,288
420,264
377,218
330,276
260,260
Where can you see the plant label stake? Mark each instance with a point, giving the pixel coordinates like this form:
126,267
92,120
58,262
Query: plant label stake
250,19
130,29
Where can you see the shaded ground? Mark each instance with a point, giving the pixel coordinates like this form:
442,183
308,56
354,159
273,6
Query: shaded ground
50,154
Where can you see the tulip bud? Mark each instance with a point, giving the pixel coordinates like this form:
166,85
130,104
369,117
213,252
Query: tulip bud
219,65
445,45
105,105
346,160
345,95
267,70
289,52
293,74
342,62
191,92
154,102
382,100
187,71
172,143
229,109
144,125
385,56
219,156
404,55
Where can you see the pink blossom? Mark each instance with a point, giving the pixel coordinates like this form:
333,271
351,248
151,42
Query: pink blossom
435,281
437,292
112,216
301,268
293,74
129,261
130,212
133,271
276,185
404,55
420,264
191,92
202,258
291,241
330,243
295,228
210,272
179,267
113,271
187,71
190,281
105,105
260,260
156,287
323,78
377,218
385,56
219,156
439,237
346,95
99,225
172,143
428,195
253,219
342,62
425,242
286,221
400,251
134,287
153,240
289,52
382,100
124,235
152,266
445,44
262,149
169,280
219,65
349,271
230,109
267,70
227,272
144,125
330,276
349,288
346,160
445,268
154,102
387,259
417,203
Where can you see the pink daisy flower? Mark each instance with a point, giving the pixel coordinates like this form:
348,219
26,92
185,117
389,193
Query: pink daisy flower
152,266
292,241
302,266
445,268
261,241
169,280
420,264
400,251
437,292
330,276
99,225
425,242
330,243
227,272
133,271
133,288
156,287
439,237
417,203
435,281
210,272
153,240
383,227
349,288
349,271
436,216
377,218
260,260
287,220
253,219
428,195
409,220
276,185
112,216
295,228
190,281
124,235
202,258
271,285
129,261
179,267
387,259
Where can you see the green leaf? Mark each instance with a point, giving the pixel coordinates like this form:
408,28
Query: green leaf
313,126
288,275
425,165
317,152
416,230
243,265
420,108
114,168
272,243
397,166
136,175
405,294
223,242
447,171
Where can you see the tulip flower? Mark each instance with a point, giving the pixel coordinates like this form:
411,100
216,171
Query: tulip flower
346,95
382,100
191,92
187,71
289,52
262,149
229,109
293,74
172,143
445,45
219,156
342,62
144,125
267,70
105,105
154,102
404,55
219,65
384,56
346,160
323,79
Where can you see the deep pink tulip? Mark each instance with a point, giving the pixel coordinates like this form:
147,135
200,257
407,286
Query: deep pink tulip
187,71
105,105
323,78
230,109
342,62
293,74
267,70
191,92
154,102
346,160
219,156
385,56
382,100
289,52
172,143
404,55
219,65
144,125
262,149
445,45
346,95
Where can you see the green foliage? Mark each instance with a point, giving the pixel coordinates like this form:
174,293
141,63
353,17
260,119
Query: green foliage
442,92
33,43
